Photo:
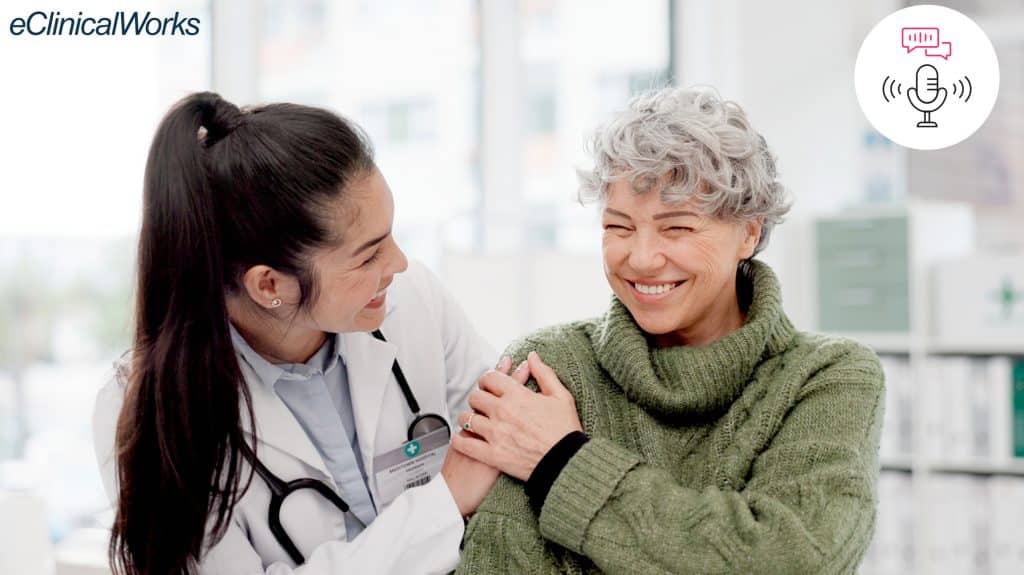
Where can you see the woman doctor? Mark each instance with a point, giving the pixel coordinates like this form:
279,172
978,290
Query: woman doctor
285,405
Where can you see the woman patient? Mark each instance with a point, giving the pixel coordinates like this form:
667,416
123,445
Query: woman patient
691,428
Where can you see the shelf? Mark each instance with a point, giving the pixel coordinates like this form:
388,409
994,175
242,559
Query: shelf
947,347
900,344
1014,468
1010,468
901,464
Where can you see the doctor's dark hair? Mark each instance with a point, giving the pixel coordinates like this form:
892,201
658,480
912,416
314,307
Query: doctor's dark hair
225,189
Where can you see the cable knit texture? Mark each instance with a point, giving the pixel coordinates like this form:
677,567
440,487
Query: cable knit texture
756,453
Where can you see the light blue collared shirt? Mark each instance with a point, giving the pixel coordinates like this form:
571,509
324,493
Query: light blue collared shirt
317,394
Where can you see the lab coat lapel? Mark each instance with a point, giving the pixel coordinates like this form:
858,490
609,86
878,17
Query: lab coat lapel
278,428
369,375
368,361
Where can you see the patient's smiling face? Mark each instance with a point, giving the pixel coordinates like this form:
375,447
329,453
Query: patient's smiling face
673,266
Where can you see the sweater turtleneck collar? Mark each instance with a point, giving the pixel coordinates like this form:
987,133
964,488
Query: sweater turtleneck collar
695,380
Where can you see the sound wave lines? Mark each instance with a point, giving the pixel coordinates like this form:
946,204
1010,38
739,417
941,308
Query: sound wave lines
963,89
890,88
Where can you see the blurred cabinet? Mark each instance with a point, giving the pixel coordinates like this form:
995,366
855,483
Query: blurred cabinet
907,282
978,301
866,262
863,277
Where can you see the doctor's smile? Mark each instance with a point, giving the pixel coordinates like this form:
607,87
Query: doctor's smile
378,299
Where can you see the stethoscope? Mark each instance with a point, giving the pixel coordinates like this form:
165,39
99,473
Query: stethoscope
422,424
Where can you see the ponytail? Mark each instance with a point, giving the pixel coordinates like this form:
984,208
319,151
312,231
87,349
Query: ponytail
178,435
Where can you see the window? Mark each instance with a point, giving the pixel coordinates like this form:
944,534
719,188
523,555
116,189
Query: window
72,191
407,71
583,61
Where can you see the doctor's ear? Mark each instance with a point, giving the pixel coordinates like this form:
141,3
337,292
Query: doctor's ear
270,288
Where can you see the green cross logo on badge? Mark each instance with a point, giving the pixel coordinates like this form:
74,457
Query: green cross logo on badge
412,449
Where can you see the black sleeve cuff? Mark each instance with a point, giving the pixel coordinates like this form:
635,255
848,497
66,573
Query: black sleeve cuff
550,466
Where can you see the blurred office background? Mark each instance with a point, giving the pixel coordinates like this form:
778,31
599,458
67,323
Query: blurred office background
479,110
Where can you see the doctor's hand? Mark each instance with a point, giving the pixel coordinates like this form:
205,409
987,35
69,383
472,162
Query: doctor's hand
514,427
468,479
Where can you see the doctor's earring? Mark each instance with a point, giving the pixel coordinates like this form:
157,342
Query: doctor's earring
276,302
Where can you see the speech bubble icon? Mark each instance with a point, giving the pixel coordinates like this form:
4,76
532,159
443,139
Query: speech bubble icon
914,38
944,51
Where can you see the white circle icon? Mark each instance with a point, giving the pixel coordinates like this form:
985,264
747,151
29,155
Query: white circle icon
927,77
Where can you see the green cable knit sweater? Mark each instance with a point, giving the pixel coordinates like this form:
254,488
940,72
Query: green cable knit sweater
756,453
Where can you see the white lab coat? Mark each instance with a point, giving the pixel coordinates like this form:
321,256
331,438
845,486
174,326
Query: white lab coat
442,356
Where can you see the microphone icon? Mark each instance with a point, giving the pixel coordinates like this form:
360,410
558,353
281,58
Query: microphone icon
926,96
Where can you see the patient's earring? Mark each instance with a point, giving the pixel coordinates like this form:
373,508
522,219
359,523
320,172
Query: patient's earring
276,302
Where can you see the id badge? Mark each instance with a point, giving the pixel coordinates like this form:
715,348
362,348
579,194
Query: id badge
410,465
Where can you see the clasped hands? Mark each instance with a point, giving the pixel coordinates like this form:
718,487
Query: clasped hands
512,427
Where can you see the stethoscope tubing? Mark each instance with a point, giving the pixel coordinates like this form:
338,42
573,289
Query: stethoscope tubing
280,489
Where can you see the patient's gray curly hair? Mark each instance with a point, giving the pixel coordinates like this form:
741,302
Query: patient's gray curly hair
700,146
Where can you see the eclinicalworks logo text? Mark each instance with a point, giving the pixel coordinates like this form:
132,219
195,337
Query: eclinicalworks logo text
118,24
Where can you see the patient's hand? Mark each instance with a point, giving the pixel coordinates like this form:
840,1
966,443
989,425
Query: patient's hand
513,427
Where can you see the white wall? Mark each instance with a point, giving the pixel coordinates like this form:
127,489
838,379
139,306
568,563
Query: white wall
508,296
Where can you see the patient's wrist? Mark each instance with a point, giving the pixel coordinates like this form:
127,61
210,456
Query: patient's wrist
551,465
